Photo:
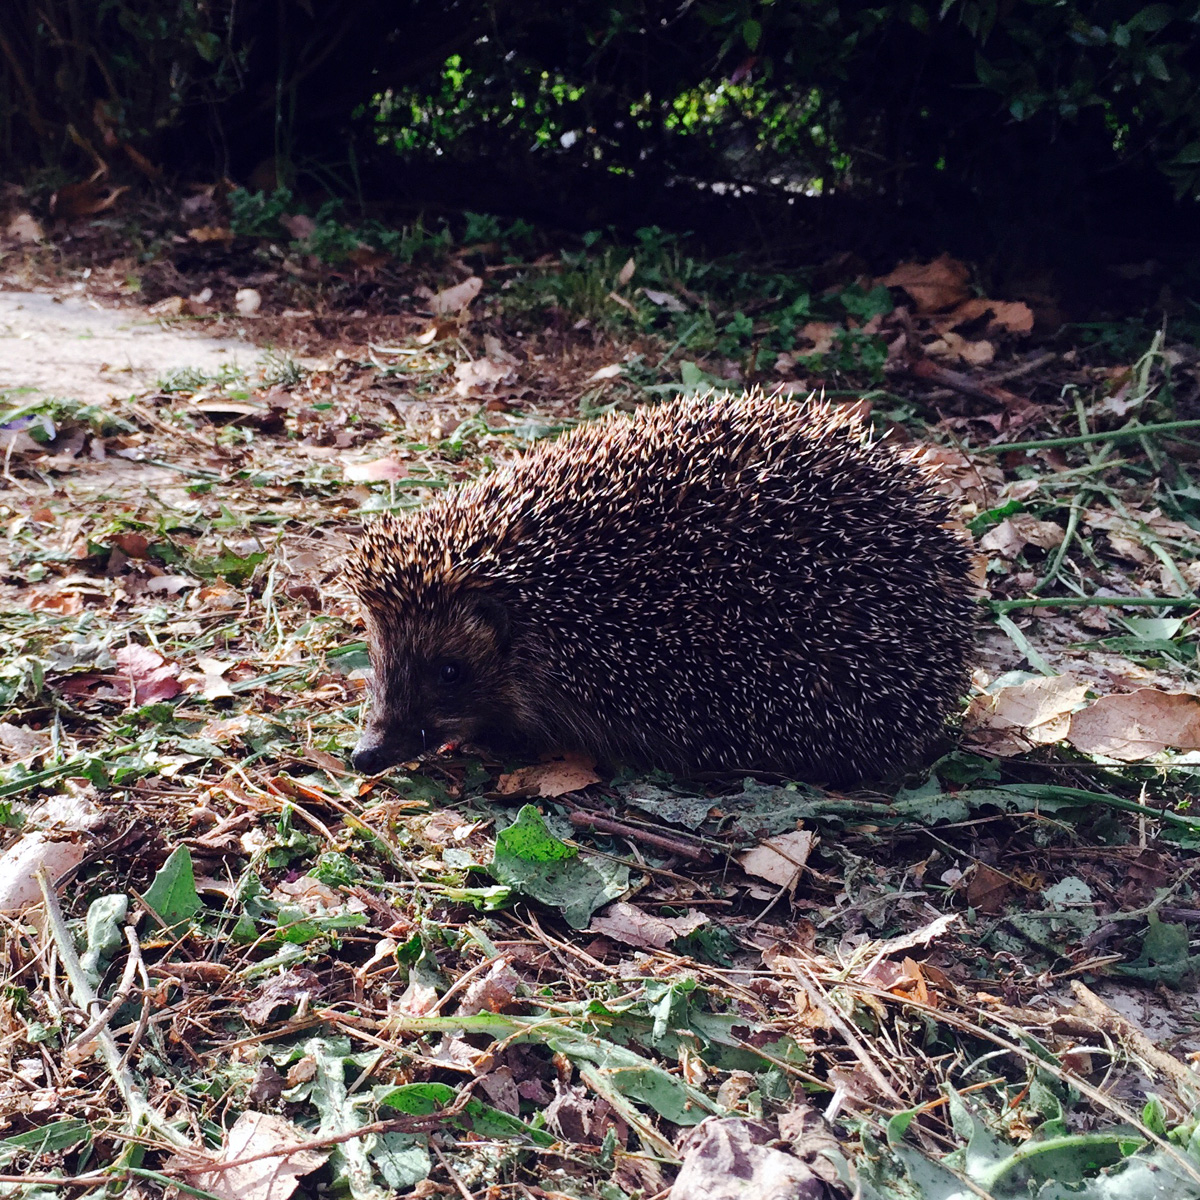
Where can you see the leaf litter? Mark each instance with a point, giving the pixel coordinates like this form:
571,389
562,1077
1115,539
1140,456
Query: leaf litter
269,976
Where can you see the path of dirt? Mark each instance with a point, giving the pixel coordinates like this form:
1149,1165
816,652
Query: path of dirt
72,347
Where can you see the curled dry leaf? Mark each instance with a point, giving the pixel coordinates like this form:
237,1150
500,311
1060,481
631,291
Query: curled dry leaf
455,299
933,286
609,372
549,779
1013,534
1011,316
1035,712
633,926
247,301
379,470
24,228
821,334
1138,725
149,674
666,300
480,375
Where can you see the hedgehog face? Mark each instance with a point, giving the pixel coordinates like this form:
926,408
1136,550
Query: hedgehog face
441,675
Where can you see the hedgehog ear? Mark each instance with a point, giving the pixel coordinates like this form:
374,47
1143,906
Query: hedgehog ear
495,614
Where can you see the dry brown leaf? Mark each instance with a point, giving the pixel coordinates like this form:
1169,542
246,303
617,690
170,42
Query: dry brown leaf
272,1178
1014,533
953,346
1012,316
609,372
1033,713
821,334
211,233
376,471
480,375
24,228
247,301
549,779
633,926
455,299
779,860
626,273
148,673
666,300
209,680
299,225
1137,725
172,306
933,286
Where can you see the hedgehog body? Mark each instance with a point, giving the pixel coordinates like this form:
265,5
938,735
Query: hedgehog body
714,583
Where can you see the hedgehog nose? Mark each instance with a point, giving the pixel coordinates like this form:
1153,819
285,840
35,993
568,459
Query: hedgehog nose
370,758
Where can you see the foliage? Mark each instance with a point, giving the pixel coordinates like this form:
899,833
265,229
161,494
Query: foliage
896,98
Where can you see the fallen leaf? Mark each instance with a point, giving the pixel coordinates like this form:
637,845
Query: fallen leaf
31,851
1135,725
779,860
1012,316
455,299
150,676
988,890
1035,712
821,334
952,345
247,301
1014,533
626,923
609,372
626,273
299,225
209,681
171,584
549,779
482,375
172,306
24,228
376,471
210,233
933,286
274,1177
665,300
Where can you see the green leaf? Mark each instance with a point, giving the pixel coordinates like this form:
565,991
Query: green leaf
752,33
172,895
532,861
425,1099
48,1139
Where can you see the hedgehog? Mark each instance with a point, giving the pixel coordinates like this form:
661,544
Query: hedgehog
737,582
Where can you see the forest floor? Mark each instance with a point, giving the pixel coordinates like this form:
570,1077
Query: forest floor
487,979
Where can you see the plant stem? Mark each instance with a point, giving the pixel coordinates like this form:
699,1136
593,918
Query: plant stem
1003,606
1113,435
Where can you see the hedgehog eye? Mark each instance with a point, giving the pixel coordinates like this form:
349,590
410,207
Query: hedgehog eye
450,672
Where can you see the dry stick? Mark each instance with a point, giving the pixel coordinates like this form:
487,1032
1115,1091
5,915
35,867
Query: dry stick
1025,368
685,848
140,1111
1136,1041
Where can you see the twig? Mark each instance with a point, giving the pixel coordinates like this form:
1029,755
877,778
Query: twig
141,1113
685,848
